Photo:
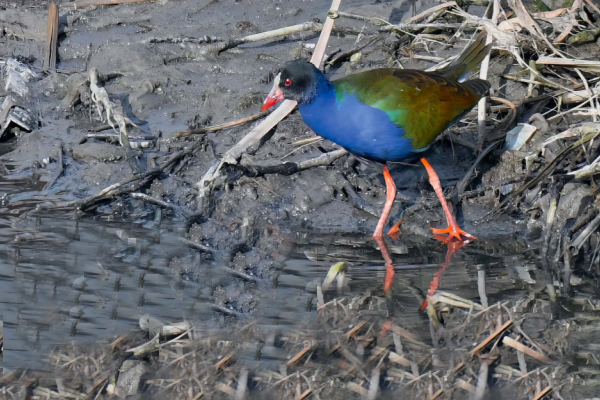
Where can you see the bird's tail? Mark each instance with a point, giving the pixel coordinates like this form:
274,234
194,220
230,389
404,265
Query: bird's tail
469,60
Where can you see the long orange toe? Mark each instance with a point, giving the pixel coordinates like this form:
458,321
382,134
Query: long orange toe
455,233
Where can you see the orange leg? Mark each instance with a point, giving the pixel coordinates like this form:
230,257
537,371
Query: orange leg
389,201
454,231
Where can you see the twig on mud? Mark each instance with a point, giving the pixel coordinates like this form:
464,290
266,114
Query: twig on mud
182,40
198,246
372,20
508,122
588,131
300,144
241,274
225,310
255,136
103,103
358,202
59,167
289,168
49,63
219,127
153,200
139,141
431,11
258,37
80,4
347,54
124,186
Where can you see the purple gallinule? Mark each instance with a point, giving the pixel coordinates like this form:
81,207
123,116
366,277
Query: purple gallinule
387,114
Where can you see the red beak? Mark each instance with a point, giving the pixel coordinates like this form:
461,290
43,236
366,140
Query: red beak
274,97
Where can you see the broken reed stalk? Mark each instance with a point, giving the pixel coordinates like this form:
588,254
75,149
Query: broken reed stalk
50,49
584,65
255,136
515,344
494,9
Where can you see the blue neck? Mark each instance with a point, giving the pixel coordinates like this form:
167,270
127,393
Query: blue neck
359,128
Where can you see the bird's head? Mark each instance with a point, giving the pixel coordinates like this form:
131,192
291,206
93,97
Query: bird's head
297,81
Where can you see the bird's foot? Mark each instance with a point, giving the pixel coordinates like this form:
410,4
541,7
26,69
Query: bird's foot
455,233
394,232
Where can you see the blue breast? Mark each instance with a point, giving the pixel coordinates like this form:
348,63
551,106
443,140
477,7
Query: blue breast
359,128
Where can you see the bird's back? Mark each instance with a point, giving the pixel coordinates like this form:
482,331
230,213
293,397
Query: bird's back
423,104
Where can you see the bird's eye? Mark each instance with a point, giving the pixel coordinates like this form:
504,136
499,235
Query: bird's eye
287,82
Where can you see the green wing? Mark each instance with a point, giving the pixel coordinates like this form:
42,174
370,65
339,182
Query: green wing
423,104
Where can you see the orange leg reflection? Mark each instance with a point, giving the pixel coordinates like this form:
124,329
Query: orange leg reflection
453,247
389,268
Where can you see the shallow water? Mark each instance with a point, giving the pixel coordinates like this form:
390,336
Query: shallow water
89,279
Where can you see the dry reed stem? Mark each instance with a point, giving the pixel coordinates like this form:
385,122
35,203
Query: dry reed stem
542,394
483,74
50,49
527,350
223,362
494,336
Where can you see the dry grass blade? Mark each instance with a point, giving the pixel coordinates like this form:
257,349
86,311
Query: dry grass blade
51,39
527,350
242,385
584,65
406,334
541,395
533,27
356,388
226,389
494,336
223,362
298,356
399,359
431,11
593,6
464,385
352,332
304,395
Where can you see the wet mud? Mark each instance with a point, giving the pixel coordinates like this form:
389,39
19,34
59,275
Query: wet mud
245,265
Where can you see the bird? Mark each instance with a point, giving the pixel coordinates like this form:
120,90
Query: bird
387,114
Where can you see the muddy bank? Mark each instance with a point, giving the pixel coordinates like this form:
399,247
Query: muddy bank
245,262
